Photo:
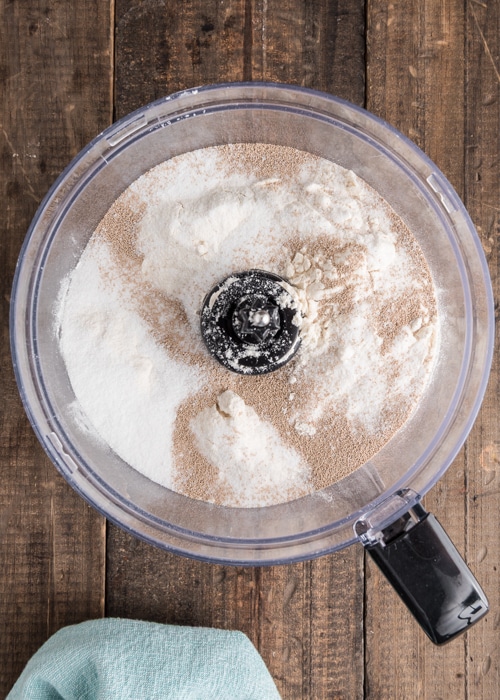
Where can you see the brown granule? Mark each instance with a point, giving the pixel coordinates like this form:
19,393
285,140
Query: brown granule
263,160
337,447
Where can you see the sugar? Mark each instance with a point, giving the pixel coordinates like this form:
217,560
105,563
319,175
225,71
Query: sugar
128,322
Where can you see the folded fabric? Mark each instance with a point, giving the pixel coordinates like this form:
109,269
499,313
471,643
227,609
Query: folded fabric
129,659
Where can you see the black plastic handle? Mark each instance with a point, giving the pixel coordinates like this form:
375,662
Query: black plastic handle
423,565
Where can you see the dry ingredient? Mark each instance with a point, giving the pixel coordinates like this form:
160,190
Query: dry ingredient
128,325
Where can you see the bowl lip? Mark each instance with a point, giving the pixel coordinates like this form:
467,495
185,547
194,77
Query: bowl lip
211,88
280,89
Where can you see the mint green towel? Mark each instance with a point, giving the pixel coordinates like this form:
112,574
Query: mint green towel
128,659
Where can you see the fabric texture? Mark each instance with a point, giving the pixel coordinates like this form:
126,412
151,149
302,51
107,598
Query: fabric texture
113,658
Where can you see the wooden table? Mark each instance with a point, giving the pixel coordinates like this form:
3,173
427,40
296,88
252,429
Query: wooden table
329,628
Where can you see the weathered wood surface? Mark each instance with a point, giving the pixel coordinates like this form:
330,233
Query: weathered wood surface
331,628
482,198
310,637
55,94
432,71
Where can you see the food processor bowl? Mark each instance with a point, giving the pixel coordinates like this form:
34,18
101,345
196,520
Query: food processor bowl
389,486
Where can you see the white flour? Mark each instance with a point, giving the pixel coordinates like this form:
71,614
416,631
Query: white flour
248,451
128,322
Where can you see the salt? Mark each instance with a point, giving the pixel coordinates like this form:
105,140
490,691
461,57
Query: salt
128,324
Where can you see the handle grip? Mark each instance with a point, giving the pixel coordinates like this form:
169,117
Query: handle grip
423,565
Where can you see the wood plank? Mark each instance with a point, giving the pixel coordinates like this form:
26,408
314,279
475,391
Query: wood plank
166,46
482,197
416,80
55,65
309,636
304,629
315,44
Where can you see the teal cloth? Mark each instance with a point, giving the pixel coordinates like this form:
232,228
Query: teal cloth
129,659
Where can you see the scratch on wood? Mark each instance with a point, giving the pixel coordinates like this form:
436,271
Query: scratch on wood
489,477
486,665
289,592
219,577
485,43
482,494
68,112
489,458
16,155
496,621
481,555
484,204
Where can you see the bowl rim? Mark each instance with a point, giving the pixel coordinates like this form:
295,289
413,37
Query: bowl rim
112,134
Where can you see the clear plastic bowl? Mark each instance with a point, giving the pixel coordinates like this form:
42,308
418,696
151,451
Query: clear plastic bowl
417,455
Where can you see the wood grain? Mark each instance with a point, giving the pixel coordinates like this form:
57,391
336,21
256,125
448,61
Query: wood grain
55,64
315,44
325,628
482,197
164,46
310,637
415,80
421,79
